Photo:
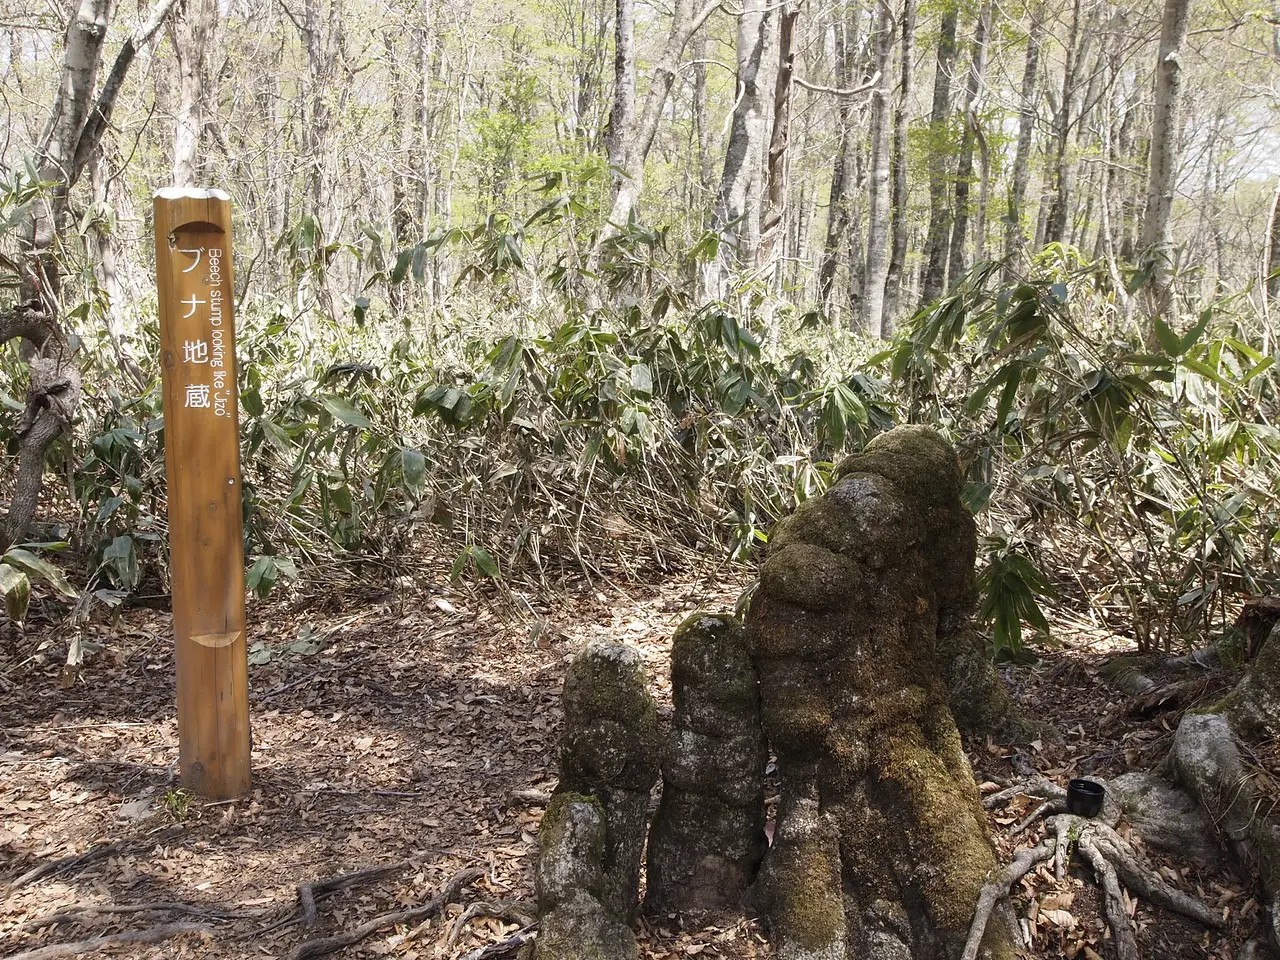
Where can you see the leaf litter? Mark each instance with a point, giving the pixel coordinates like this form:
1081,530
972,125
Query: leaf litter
416,729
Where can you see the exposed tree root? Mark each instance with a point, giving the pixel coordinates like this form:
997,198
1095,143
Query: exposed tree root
79,911
308,892
1123,933
324,946
165,931
61,866
1107,853
996,890
524,915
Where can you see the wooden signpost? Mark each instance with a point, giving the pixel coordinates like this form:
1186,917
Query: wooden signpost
202,466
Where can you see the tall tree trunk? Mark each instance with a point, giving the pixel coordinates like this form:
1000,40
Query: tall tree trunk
935,252
1056,223
622,115
873,318
1271,253
838,201
746,133
423,158
972,135
191,29
701,129
900,199
1014,236
1162,160
1130,153
685,21
776,171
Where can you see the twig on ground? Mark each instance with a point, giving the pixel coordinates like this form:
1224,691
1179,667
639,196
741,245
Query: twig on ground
307,892
522,915
504,949
327,945
165,931
1046,808
63,865
996,890
529,798
1041,788
75,912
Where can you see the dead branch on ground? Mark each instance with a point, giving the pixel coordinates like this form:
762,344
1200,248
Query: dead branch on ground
324,946
165,931
309,892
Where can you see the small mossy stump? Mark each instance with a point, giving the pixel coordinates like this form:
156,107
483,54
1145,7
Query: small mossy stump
708,834
1253,707
574,921
611,750
881,846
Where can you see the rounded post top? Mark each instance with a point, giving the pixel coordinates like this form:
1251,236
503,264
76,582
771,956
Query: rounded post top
191,193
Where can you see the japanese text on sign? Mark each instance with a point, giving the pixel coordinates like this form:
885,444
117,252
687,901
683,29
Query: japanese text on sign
210,351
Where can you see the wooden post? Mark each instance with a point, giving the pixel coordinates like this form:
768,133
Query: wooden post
202,466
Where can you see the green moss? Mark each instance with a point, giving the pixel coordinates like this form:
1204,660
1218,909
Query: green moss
710,662
606,680
810,576
571,845
1233,648
611,723
918,461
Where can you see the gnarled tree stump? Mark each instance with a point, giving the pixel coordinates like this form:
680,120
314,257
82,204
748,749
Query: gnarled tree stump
881,847
610,752
708,835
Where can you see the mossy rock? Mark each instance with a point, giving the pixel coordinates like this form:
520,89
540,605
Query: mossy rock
611,749
580,928
1253,706
570,850
801,885
708,834
611,734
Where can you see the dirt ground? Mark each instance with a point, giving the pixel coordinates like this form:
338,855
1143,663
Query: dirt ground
415,728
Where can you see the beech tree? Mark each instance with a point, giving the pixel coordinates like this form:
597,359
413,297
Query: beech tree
72,135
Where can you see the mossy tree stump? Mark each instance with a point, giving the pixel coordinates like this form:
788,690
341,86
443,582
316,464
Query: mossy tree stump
881,846
574,921
610,750
708,834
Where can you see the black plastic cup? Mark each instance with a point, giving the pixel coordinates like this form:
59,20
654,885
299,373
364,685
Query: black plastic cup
1084,798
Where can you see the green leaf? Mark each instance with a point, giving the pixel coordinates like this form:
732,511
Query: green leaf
402,265
41,567
1169,341
485,563
413,467
17,593
251,400
261,577
342,409
641,379
122,559
1206,371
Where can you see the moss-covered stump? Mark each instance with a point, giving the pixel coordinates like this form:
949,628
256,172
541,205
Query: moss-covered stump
1253,707
708,835
574,921
611,750
845,633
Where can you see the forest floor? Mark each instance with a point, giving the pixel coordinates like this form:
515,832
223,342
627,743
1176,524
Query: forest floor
406,739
